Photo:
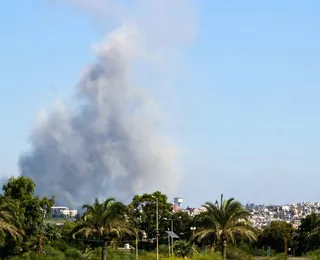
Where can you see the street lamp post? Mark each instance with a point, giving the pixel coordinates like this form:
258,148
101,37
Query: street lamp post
193,229
172,237
157,225
137,245
169,245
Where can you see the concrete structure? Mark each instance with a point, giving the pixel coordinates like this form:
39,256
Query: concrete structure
178,202
62,211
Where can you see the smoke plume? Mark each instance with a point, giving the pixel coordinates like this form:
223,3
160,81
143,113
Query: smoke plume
112,143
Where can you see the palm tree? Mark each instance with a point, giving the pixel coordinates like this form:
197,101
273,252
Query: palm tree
313,237
8,219
106,220
225,220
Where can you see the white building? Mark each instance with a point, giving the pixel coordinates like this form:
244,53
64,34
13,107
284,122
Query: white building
62,211
73,213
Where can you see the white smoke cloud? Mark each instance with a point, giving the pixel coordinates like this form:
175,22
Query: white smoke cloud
113,143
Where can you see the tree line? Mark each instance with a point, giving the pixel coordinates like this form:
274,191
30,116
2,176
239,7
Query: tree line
223,231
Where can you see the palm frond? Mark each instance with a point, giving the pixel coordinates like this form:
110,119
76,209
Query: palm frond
106,220
11,229
226,218
315,233
9,220
202,234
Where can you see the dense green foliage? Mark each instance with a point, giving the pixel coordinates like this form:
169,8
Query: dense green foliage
71,254
144,212
223,231
275,234
309,238
29,213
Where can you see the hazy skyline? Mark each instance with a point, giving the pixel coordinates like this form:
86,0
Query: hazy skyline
243,95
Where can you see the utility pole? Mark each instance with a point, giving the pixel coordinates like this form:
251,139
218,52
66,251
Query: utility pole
157,227
172,237
137,245
169,245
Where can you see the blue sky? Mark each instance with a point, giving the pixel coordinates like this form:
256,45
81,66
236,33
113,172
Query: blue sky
249,90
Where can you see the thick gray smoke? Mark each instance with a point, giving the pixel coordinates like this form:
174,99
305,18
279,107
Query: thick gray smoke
112,143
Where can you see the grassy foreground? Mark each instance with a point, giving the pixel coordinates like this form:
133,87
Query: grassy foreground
69,253
72,253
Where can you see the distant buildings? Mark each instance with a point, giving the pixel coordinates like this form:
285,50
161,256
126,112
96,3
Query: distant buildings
178,202
263,215
177,207
62,211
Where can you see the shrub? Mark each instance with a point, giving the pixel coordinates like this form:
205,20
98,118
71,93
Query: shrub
51,254
278,257
234,253
183,249
209,256
313,255
60,245
73,253
119,255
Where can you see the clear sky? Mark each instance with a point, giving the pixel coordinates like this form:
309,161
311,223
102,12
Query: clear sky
249,90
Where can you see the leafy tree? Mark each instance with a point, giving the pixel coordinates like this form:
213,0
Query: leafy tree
182,224
67,231
144,211
106,221
29,212
277,235
224,220
67,228
52,232
308,238
20,188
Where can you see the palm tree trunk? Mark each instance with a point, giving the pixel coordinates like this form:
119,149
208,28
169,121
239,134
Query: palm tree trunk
224,248
285,248
104,250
